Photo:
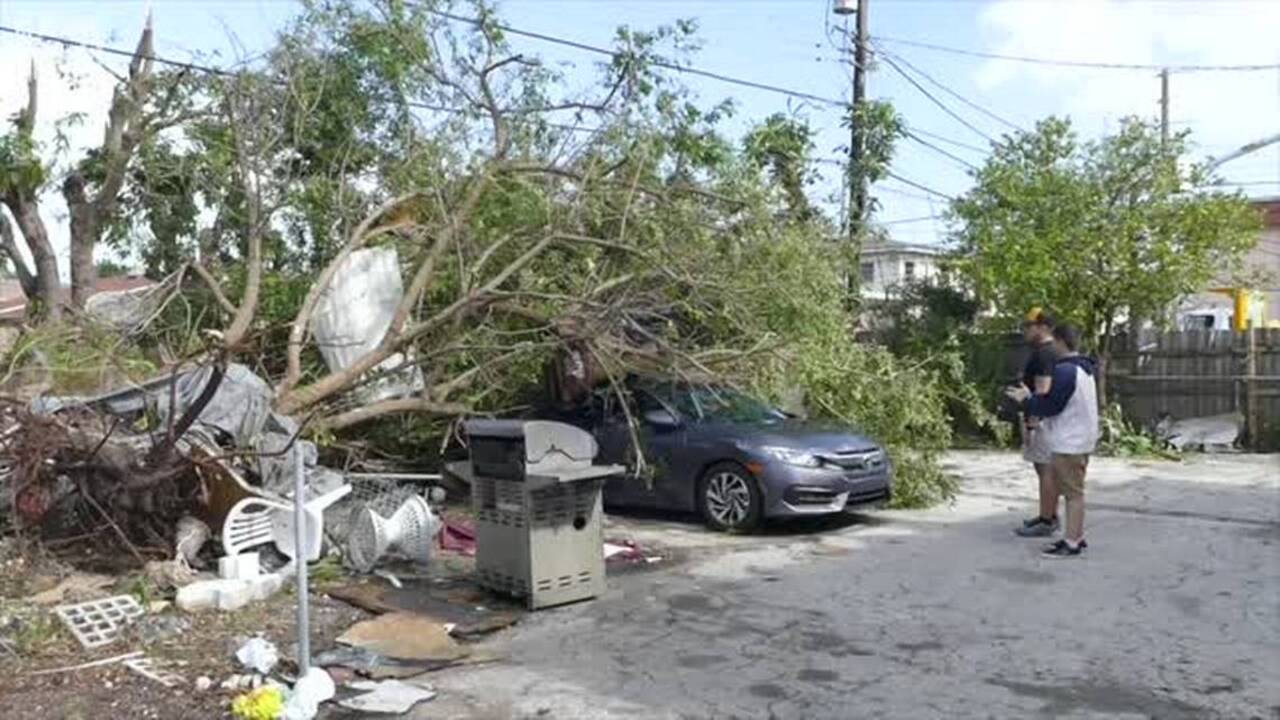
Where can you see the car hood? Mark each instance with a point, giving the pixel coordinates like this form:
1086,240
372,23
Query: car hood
804,436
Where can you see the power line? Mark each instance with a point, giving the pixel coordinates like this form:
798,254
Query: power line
220,72
956,95
903,221
904,193
686,69
935,100
68,42
918,186
911,135
945,139
1079,63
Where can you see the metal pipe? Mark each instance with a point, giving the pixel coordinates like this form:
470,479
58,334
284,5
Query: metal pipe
300,563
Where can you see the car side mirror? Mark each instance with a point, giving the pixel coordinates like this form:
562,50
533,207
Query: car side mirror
661,419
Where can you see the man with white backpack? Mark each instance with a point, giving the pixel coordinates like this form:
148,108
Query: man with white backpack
1069,423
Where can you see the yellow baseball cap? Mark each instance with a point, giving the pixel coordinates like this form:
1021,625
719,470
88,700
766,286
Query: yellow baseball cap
1037,316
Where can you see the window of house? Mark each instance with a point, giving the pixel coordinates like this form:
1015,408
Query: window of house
908,269
868,272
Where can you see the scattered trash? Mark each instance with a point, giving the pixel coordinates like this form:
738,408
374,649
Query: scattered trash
167,574
255,521
311,689
392,697
190,535
627,551
98,622
91,664
157,628
249,681
395,581
352,316
152,670
73,588
258,654
453,603
411,530
1210,433
404,636
459,537
264,703
612,550
204,683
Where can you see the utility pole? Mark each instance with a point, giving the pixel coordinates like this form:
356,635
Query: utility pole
857,181
1164,106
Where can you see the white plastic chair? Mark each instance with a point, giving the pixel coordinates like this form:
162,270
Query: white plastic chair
256,521
411,530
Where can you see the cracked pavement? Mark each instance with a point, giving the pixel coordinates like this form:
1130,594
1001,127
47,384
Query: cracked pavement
942,613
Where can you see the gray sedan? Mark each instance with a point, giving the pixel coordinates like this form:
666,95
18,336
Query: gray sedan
731,457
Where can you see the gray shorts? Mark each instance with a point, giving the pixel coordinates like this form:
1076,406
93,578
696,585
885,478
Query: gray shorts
1034,449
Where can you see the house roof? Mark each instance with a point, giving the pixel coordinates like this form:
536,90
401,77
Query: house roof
900,248
13,303
1270,208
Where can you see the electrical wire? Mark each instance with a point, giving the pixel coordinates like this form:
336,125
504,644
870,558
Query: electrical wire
1078,63
945,139
68,42
943,106
903,221
918,186
943,87
686,69
912,136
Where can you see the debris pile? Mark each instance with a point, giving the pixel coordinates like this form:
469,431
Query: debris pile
157,465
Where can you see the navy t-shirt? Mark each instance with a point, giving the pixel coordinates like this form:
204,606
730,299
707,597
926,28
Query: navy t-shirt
1040,364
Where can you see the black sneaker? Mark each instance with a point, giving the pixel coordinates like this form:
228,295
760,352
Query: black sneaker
1037,527
1061,549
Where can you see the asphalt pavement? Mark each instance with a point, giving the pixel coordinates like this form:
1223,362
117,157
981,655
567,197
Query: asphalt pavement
1173,613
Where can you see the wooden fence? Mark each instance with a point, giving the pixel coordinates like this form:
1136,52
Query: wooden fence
1198,373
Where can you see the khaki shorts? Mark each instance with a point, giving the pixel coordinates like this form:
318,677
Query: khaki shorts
1069,471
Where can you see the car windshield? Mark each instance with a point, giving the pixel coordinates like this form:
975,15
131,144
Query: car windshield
721,404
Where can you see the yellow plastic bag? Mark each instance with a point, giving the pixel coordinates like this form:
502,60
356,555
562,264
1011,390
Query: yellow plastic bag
265,703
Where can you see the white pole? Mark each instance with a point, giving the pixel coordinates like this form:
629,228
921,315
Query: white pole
300,561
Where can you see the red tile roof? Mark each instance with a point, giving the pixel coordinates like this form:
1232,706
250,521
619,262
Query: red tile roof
13,303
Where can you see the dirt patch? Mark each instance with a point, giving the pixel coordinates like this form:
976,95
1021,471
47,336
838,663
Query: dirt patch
206,649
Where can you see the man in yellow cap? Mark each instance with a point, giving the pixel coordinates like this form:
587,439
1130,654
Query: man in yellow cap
1037,376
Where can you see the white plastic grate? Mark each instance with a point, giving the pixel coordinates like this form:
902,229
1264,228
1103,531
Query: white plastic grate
153,670
98,622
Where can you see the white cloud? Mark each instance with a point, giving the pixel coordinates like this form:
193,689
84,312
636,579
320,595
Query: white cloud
1223,109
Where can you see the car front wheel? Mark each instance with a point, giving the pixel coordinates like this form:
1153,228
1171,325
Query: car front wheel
730,499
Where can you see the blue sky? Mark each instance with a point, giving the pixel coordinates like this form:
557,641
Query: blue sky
785,42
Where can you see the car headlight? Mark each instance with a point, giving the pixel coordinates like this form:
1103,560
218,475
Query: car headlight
789,456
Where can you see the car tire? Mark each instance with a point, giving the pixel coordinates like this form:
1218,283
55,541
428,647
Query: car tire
730,499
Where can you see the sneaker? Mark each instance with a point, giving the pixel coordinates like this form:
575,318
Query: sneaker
1037,527
1061,549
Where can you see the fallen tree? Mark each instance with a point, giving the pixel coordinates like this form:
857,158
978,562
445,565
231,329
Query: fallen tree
643,241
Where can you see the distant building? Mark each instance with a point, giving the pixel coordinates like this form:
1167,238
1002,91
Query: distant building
1214,309
887,266
13,303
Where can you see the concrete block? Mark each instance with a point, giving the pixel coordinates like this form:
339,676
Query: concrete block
244,566
227,595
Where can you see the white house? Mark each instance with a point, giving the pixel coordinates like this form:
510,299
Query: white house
886,266
1214,309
